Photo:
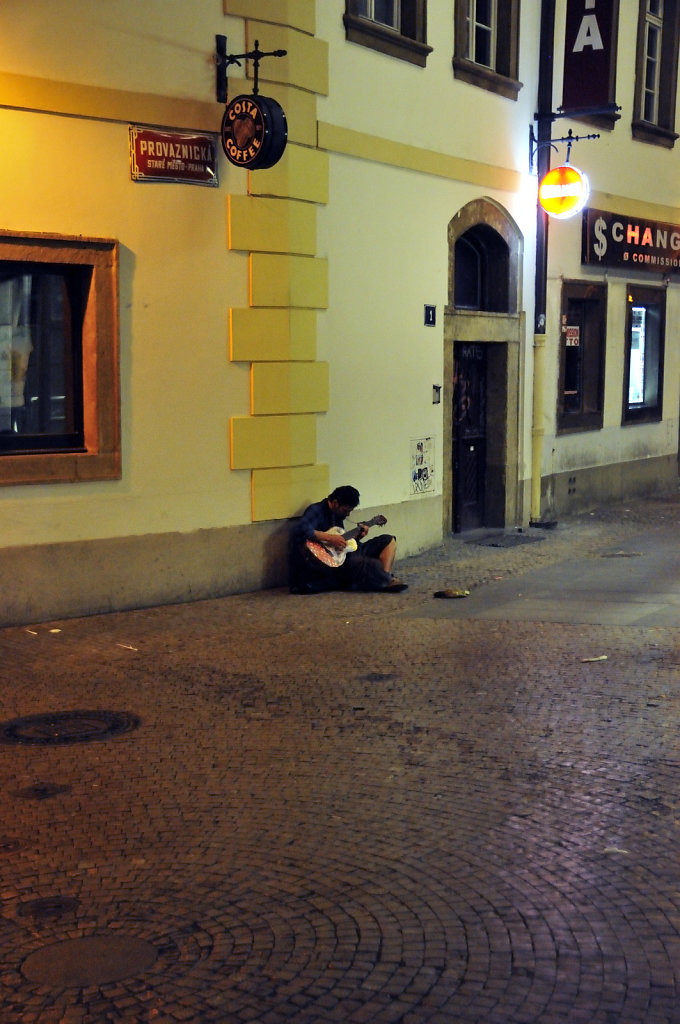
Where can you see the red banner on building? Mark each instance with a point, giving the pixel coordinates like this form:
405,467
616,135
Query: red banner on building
589,54
188,157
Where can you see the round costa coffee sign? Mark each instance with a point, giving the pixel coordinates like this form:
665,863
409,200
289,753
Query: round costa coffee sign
563,191
254,132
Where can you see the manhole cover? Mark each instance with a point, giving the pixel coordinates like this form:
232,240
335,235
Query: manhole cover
90,960
68,727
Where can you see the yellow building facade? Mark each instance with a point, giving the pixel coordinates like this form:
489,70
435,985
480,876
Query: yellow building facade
251,342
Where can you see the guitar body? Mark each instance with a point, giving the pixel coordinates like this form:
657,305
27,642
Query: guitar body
332,557
328,555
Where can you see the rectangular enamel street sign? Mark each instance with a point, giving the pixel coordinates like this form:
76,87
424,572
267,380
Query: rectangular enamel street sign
177,156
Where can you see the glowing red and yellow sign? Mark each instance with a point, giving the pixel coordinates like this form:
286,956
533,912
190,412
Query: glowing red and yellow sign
563,191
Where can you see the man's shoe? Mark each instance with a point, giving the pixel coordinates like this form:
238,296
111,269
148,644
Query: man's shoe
394,587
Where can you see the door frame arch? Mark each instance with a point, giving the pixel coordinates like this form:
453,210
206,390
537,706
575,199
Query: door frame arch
503,333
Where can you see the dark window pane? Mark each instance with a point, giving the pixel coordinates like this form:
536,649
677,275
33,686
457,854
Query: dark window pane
653,35
483,47
467,275
482,269
384,12
484,12
40,356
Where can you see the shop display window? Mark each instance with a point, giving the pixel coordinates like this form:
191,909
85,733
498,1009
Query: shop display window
59,387
582,351
645,333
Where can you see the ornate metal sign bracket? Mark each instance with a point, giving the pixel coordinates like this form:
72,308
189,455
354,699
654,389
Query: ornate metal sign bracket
223,60
535,143
570,139
254,128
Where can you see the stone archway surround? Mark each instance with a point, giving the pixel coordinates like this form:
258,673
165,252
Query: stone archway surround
503,333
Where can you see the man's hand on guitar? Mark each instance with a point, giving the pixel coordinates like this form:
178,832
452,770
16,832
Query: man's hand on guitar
331,540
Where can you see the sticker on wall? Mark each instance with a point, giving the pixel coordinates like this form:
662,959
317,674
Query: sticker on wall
422,465
572,335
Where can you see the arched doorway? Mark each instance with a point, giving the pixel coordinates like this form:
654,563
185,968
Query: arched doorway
483,328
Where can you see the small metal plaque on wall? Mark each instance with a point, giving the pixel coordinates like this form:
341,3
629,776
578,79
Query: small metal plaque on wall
188,158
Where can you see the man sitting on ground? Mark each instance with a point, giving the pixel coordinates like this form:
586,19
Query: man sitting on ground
321,530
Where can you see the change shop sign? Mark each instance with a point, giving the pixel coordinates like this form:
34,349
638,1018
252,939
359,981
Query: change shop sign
616,240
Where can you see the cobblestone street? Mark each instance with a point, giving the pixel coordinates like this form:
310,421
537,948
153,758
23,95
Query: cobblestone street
358,809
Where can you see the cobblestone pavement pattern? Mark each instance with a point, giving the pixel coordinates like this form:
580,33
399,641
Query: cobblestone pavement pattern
344,809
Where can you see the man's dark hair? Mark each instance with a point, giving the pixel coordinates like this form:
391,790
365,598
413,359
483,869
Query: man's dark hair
345,495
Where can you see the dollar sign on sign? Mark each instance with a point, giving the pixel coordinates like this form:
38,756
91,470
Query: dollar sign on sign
600,247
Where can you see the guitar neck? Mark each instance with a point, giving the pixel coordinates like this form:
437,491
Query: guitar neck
351,534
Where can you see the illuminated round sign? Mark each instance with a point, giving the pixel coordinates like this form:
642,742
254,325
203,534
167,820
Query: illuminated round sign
254,132
563,191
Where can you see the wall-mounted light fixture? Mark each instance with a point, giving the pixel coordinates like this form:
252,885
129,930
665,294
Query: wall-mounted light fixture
563,191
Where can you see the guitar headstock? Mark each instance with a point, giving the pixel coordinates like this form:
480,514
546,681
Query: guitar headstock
375,521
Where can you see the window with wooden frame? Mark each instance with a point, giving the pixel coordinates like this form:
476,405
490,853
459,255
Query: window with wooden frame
397,28
656,72
645,336
486,45
580,395
59,375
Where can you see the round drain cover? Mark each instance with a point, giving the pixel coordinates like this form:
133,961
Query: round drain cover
68,727
90,960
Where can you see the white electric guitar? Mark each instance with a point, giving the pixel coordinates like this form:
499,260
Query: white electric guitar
332,557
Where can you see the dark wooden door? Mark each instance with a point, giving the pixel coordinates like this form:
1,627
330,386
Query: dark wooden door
469,435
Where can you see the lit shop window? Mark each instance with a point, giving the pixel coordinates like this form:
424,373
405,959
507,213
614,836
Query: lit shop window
656,72
395,27
59,408
582,347
645,329
486,45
